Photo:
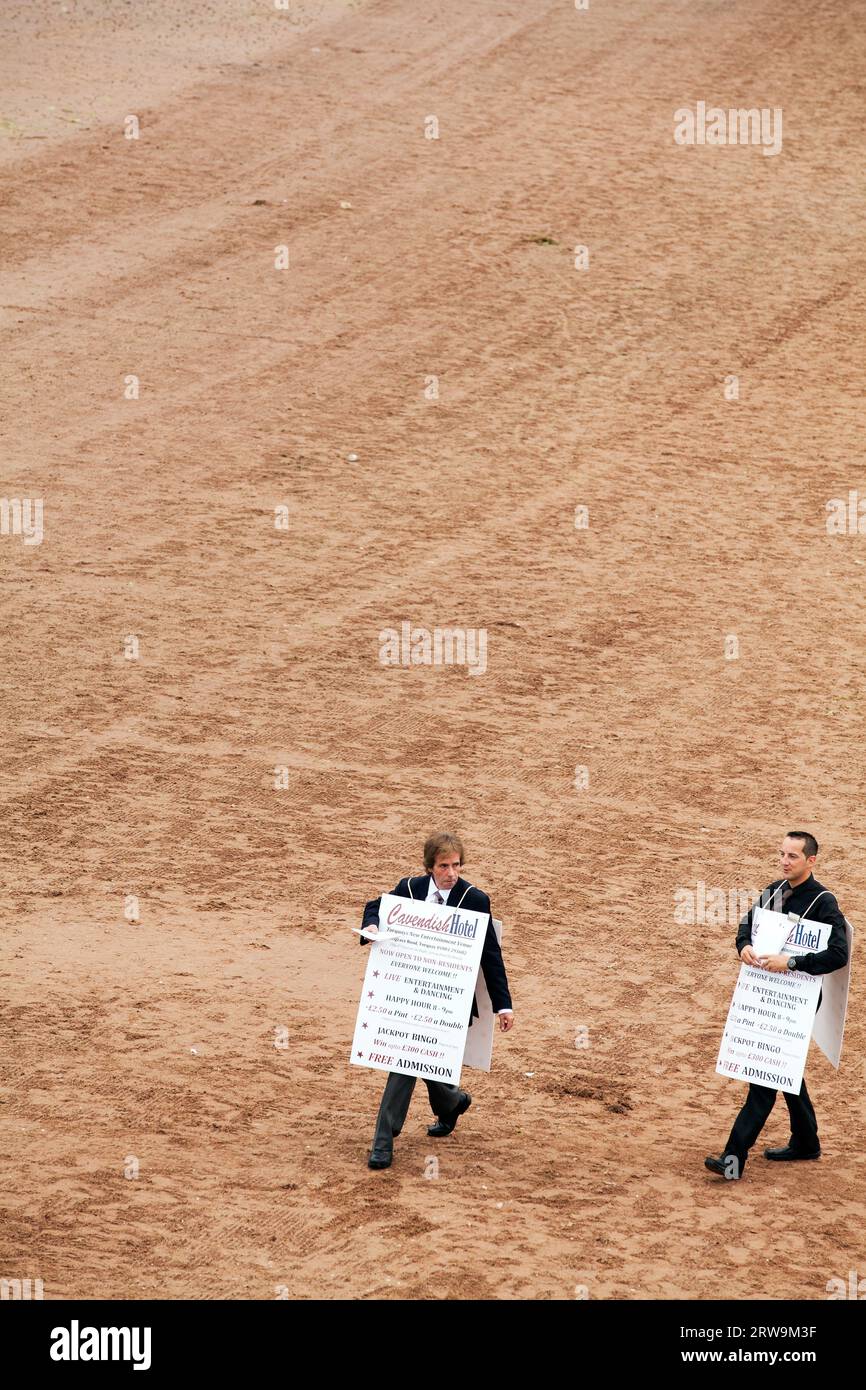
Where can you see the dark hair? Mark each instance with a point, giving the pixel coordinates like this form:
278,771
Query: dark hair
435,844
810,844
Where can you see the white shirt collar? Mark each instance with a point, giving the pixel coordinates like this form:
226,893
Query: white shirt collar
433,890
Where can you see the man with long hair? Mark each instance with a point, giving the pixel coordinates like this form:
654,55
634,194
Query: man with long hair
443,860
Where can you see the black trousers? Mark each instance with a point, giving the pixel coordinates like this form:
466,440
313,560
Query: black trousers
752,1117
394,1108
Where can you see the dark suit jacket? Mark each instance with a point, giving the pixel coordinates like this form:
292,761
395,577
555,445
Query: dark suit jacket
825,909
492,964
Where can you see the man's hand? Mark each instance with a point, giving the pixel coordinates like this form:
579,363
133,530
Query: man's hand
777,964
506,1021
748,957
372,929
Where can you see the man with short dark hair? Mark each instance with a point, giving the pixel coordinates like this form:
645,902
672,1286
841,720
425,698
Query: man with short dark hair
798,891
443,860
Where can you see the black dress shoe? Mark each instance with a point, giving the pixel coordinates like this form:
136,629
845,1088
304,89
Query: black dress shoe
729,1169
443,1127
788,1153
379,1158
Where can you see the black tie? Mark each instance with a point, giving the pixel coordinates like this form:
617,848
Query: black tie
787,894
437,897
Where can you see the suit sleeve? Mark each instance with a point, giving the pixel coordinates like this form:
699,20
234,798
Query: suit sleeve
371,909
744,931
493,966
836,954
